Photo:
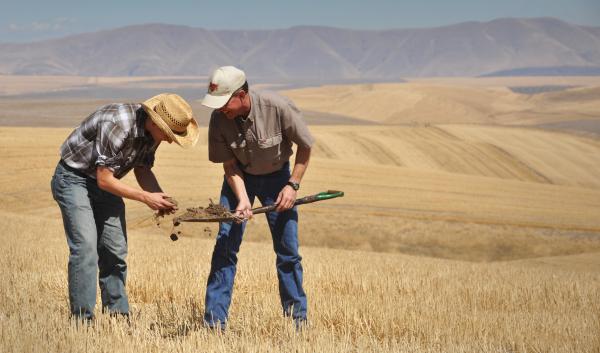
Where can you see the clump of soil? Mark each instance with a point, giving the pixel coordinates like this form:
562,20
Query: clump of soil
212,213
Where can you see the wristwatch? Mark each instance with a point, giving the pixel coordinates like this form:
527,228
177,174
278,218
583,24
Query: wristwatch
294,186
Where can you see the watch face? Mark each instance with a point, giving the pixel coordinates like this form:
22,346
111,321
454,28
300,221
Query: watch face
294,186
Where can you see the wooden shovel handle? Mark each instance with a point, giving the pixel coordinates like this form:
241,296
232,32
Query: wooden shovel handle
329,194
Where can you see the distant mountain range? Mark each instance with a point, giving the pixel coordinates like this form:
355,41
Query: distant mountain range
548,71
503,46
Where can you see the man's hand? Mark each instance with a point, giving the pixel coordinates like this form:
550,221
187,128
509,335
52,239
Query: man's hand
244,209
168,211
159,201
235,179
285,199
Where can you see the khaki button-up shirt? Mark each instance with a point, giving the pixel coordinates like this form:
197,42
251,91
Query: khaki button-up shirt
262,143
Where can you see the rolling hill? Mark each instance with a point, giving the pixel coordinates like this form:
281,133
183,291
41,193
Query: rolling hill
438,103
405,186
314,54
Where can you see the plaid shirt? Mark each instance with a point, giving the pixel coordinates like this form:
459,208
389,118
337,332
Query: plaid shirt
113,137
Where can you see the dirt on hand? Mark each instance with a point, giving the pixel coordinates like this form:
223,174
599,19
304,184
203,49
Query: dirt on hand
161,213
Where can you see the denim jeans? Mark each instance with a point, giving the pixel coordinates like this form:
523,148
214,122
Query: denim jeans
284,231
94,222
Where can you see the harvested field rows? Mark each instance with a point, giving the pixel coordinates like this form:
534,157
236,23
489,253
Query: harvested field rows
424,207
499,152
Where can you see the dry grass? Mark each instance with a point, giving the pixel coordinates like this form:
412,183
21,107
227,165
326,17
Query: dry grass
359,301
451,238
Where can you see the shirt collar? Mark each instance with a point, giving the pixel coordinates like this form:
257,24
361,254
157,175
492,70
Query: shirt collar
252,113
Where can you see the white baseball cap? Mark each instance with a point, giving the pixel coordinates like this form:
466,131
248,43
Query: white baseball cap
222,84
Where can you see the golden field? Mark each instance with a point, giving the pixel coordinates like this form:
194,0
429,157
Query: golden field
468,101
451,237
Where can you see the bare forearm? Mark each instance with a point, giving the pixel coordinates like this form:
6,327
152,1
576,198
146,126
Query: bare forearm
301,163
234,178
155,200
287,195
107,182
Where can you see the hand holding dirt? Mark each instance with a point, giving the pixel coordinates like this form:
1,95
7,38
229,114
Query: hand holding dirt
166,211
159,201
171,210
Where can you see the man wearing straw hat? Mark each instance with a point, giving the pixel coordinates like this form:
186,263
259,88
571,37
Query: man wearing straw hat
87,187
252,133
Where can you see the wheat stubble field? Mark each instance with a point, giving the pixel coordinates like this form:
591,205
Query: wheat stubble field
452,237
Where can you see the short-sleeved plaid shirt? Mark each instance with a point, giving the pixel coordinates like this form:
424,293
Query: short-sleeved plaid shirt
114,137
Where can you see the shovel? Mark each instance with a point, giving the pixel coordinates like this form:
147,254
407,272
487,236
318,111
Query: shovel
217,213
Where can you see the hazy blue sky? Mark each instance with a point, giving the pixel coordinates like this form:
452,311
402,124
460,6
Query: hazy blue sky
26,20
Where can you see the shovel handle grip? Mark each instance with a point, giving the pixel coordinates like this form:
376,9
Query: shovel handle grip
329,194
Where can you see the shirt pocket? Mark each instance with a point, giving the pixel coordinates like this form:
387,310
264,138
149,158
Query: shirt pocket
269,149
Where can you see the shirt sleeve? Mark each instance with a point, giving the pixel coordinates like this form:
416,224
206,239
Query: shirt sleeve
294,126
218,149
110,139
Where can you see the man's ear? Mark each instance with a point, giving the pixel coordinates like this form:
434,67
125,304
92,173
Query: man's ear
151,124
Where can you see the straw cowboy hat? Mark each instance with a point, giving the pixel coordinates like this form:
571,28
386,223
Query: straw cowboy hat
173,115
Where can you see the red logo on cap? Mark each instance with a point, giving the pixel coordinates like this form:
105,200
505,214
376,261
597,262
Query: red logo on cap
212,87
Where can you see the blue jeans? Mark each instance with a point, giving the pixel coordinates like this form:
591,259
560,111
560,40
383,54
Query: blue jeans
94,222
284,231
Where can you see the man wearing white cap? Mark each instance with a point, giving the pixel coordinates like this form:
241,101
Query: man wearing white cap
252,134
87,187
